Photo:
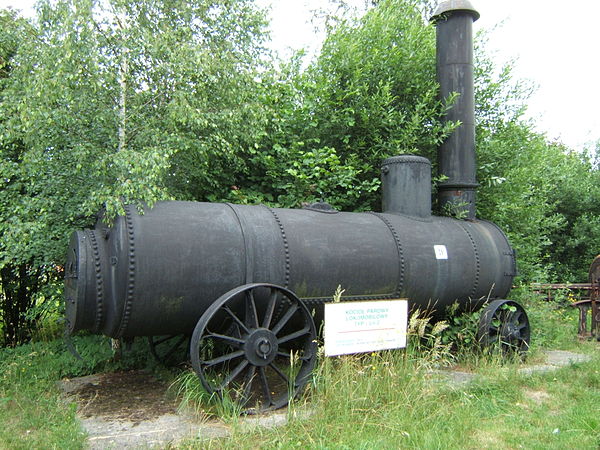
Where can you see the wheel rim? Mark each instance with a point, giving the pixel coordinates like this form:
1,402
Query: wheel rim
256,344
594,272
504,325
170,350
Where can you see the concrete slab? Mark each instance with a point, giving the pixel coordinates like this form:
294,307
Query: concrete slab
132,409
455,378
157,432
555,359
563,358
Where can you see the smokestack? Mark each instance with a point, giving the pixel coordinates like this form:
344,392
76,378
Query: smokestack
456,156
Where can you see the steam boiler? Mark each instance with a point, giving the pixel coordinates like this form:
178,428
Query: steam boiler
248,283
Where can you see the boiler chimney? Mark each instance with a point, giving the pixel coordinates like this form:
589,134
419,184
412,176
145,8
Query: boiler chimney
456,156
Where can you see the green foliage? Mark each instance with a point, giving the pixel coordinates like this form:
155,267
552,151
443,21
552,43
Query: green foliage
539,192
387,400
105,103
461,333
553,323
194,398
542,195
370,94
33,411
355,401
109,102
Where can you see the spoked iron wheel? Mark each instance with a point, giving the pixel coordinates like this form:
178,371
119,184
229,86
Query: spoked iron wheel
504,325
170,350
255,344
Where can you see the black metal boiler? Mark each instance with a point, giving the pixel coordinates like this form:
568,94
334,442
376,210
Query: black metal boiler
247,283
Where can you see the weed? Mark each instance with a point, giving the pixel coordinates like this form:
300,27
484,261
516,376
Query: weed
461,333
425,340
203,405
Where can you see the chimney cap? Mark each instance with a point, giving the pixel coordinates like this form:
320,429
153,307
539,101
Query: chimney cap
449,6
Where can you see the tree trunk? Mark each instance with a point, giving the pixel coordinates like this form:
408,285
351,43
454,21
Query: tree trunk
19,285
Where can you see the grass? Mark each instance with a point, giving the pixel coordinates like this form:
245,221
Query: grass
384,400
387,401
394,400
33,414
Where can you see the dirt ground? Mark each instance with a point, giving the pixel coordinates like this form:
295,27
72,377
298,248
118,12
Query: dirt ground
133,396
133,409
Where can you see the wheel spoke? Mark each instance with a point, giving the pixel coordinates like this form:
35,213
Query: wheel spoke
168,350
286,317
234,373
270,309
251,315
280,373
294,335
164,339
236,318
309,353
504,325
265,386
236,349
175,346
232,340
223,358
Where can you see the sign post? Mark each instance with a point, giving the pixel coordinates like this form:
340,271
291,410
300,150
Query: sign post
357,327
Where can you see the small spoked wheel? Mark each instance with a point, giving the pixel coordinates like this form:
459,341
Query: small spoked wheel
255,344
504,325
170,350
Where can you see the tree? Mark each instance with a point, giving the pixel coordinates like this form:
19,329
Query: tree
370,94
539,192
116,101
18,277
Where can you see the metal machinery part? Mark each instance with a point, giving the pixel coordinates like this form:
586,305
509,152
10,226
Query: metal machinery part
155,274
170,350
594,277
591,304
456,156
410,175
249,282
504,325
257,344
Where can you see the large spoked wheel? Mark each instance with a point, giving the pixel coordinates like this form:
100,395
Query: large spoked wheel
504,325
255,344
170,350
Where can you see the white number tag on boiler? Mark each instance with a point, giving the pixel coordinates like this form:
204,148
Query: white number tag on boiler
440,252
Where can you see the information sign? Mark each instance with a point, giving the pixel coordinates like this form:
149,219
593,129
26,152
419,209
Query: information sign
356,327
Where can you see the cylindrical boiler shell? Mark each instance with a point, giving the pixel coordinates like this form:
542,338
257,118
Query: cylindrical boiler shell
161,270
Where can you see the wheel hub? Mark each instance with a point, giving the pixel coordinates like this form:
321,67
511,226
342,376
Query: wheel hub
261,347
511,332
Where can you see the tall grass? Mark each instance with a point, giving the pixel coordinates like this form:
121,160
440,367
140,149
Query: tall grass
397,399
391,399
33,413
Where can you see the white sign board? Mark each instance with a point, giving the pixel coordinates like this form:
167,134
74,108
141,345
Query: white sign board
356,327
